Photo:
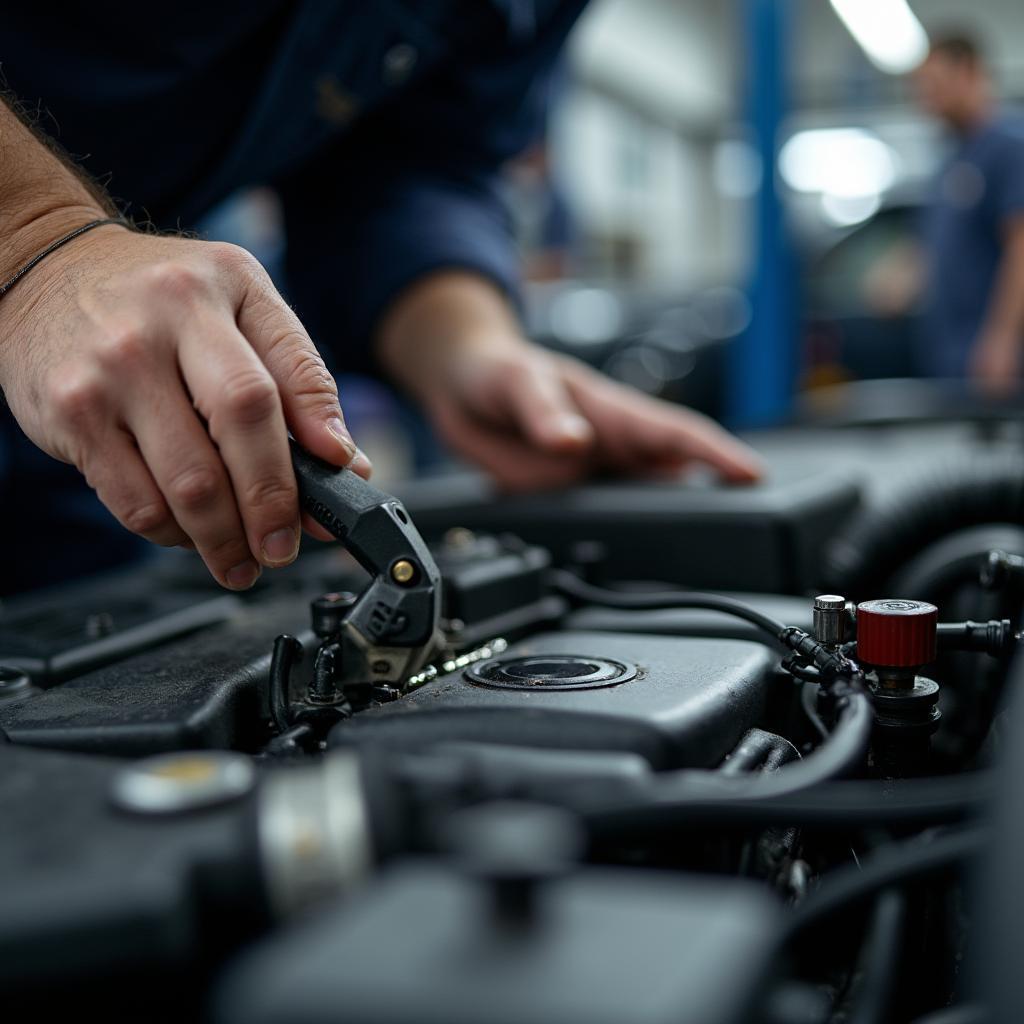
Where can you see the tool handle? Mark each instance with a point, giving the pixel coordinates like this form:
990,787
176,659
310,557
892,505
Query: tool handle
336,498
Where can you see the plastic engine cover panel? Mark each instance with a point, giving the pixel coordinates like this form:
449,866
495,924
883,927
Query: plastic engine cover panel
683,702
608,947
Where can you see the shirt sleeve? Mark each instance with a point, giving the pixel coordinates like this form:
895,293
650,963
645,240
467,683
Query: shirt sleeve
414,187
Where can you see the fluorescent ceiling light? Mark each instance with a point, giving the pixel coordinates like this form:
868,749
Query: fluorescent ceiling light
887,30
845,162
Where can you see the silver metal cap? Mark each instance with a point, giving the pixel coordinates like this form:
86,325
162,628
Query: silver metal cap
314,831
830,619
185,781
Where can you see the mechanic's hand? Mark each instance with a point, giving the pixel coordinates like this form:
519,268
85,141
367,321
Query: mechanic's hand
167,370
995,364
533,419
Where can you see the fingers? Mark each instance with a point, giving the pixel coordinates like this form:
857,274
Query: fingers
167,336
642,433
239,400
194,482
692,436
229,482
83,407
513,463
544,410
116,472
309,395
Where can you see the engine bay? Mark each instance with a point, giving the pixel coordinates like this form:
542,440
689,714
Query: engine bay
525,770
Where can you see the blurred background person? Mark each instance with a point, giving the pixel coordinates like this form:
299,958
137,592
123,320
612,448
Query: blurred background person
973,225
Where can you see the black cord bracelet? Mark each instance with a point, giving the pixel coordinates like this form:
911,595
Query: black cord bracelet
53,246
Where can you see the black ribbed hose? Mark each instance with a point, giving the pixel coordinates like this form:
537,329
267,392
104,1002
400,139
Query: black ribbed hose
982,490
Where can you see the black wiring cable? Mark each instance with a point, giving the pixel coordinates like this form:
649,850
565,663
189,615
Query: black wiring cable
678,797
879,963
840,805
828,663
759,749
808,702
882,875
572,586
912,861
841,755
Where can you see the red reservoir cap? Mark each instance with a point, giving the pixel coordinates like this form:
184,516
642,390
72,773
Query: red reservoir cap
893,633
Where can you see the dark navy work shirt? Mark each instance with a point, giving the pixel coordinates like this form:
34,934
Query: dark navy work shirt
979,189
382,123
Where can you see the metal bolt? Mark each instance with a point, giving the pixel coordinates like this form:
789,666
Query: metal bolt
329,611
453,627
322,688
403,571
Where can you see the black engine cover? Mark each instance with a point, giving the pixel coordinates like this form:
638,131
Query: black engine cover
766,538
609,946
677,702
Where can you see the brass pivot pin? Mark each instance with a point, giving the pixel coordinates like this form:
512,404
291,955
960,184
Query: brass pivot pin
403,571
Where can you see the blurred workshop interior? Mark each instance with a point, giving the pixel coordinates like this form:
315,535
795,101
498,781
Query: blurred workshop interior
729,206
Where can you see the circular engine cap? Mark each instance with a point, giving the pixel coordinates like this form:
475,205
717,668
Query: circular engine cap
549,671
894,633
15,683
186,781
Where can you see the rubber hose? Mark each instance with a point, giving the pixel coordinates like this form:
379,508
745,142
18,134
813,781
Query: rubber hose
984,489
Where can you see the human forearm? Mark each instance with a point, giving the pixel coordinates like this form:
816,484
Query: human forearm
41,195
168,370
1005,315
443,314
997,355
530,417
